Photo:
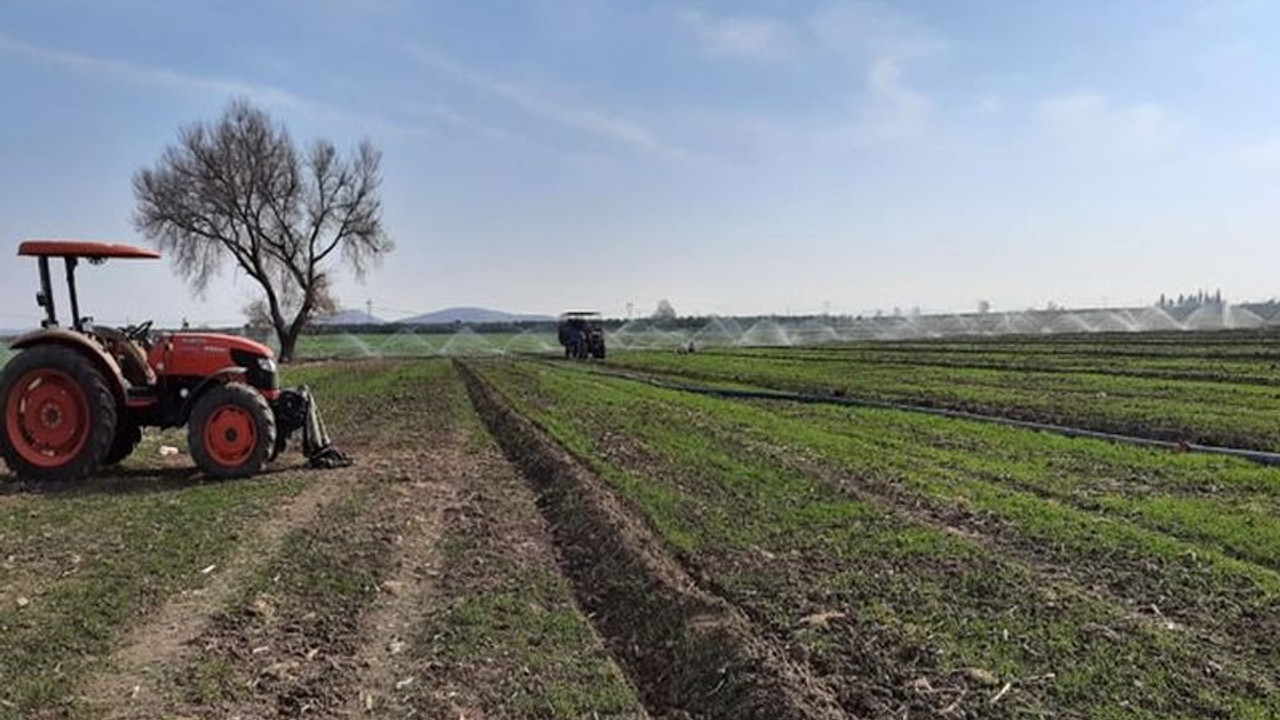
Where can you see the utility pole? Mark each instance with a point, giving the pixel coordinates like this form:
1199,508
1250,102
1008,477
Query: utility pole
630,308
368,307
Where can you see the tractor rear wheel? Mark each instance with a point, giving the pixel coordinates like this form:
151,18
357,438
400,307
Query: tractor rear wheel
232,431
59,414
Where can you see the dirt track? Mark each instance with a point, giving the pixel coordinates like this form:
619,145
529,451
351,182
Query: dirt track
424,582
130,688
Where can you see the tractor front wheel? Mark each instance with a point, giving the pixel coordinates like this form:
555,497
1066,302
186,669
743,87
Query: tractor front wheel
59,414
232,431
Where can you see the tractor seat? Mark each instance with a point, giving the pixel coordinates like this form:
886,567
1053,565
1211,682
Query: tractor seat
133,362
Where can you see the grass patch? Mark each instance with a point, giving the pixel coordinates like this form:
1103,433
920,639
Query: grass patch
90,563
305,602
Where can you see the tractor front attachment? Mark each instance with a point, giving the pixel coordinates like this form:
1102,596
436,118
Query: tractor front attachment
296,409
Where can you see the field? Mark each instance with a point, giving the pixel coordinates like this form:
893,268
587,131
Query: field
464,343
1219,389
529,538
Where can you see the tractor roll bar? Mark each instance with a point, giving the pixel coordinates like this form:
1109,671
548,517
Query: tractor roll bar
71,263
45,298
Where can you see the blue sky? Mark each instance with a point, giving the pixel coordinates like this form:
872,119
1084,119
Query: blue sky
735,157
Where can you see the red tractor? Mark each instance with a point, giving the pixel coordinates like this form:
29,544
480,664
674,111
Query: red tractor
76,399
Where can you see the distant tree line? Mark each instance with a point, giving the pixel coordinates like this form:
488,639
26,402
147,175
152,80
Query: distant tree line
692,322
494,328
1192,300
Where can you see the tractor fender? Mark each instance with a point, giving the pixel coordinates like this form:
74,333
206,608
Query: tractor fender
215,378
81,343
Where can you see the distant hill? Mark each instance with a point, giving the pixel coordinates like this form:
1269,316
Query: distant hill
471,315
348,317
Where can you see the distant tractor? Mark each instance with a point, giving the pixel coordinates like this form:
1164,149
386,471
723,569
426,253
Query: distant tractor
76,399
582,335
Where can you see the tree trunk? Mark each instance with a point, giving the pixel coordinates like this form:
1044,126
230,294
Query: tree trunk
291,332
288,342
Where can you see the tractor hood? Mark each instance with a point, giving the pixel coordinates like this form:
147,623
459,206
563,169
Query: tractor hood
195,340
205,355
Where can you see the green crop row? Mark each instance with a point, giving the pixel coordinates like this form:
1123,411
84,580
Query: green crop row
928,553
1258,370
1234,343
1222,413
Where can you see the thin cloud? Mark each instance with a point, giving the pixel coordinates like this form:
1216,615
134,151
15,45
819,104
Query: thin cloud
1087,119
167,79
533,102
888,96
887,110
752,38
1266,152
156,77
446,115
882,41
864,29
987,105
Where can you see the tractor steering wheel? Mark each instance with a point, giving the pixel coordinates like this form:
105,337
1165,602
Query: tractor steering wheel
139,333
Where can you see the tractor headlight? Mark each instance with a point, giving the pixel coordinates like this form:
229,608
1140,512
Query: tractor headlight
267,364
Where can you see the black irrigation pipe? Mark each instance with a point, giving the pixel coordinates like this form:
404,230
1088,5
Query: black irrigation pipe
1256,456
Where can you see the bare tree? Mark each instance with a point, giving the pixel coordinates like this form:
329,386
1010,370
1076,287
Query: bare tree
241,188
